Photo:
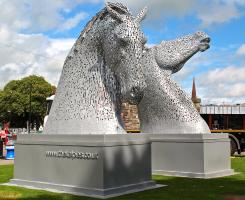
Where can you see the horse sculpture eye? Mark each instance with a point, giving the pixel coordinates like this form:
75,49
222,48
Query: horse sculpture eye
124,41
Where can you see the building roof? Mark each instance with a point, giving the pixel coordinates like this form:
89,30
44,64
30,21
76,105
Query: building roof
222,109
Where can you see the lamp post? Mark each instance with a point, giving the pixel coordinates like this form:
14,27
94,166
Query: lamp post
30,109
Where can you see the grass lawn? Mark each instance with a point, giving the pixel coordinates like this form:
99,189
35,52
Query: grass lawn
178,188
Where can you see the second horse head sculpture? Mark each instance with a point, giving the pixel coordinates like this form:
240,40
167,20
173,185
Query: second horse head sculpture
166,108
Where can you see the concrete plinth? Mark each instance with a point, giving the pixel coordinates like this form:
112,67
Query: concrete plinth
92,165
191,155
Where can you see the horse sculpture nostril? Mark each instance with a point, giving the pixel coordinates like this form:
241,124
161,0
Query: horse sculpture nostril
135,95
206,40
204,44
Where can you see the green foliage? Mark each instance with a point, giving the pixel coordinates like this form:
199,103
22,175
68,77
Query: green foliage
176,189
15,98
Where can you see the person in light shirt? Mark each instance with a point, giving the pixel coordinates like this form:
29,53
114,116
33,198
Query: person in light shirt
3,135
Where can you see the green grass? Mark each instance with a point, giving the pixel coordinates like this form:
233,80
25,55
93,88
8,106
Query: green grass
178,188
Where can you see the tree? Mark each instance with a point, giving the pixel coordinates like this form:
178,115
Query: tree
15,100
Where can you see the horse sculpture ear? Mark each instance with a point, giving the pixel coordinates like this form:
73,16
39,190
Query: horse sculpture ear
115,10
141,15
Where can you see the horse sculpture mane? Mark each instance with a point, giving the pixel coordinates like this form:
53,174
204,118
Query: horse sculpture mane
102,69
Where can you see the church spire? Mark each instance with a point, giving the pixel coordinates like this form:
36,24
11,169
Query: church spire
194,98
193,93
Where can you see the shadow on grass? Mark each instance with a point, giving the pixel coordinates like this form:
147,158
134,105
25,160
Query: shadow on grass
55,197
178,188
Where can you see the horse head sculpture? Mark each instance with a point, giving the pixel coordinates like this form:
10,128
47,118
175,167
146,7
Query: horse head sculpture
174,54
165,107
102,69
124,50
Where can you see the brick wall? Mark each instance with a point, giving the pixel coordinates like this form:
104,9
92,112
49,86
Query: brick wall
130,117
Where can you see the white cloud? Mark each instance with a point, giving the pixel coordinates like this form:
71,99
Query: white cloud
217,12
241,50
36,16
184,73
239,2
58,45
223,84
236,90
23,55
228,74
210,12
192,65
73,22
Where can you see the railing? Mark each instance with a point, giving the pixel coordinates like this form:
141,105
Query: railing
222,109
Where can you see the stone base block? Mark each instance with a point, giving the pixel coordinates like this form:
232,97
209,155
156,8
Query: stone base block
191,155
92,165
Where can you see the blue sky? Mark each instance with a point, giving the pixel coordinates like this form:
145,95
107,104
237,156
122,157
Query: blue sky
35,37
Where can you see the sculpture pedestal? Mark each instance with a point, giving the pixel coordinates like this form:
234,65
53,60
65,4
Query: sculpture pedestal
92,165
191,155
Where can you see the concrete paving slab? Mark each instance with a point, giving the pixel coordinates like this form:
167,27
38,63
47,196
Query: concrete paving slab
6,162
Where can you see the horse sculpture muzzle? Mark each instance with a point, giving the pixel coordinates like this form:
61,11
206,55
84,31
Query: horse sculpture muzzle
205,44
132,91
204,41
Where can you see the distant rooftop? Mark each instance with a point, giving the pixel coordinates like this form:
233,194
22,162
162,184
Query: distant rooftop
223,109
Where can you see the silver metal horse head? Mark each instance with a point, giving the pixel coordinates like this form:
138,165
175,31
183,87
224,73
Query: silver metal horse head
123,49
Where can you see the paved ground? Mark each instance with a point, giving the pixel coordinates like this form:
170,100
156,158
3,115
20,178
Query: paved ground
233,197
6,162
242,154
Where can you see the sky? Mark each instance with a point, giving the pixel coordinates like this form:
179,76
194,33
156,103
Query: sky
36,36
